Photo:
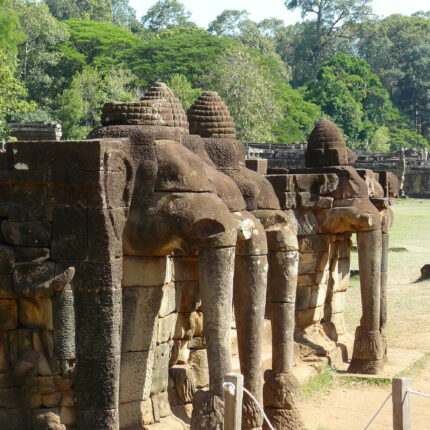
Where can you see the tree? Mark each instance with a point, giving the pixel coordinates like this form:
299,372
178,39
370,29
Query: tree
123,14
352,96
246,87
12,95
228,22
79,107
37,53
10,36
189,51
95,10
183,90
166,14
398,49
331,21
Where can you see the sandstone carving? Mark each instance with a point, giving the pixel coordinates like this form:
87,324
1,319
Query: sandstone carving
121,257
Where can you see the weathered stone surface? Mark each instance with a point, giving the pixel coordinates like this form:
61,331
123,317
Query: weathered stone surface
140,321
284,419
166,328
136,414
7,259
12,419
188,293
8,314
33,279
31,254
6,287
27,233
160,375
186,269
168,302
9,398
136,375
307,223
199,369
258,165
36,313
161,407
146,271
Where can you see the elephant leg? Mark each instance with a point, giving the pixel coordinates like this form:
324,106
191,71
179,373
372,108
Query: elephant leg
216,270
281,386
368,347
250,281
384,266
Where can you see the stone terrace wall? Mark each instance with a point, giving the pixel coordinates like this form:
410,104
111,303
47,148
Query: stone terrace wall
36,131
417,178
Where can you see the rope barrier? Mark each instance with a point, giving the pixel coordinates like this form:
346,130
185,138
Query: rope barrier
419,393
378,411
228,386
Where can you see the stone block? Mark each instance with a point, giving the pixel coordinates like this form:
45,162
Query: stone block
9,398
45,384
68,416
140,321
160,376
160,405
318,296
168,302
306,280
338,302
185,269
303,297
136,414
30,202
136,375
146,271
35,255
105,227
306,222
188,293
7,259
316,183
36,313
51,400
67,400
166,328
199,368
288,200
6,287
309,262
7,380
36,233
305,318
314,243
197,342
281,183
185,326
33,279
12,419
70,234
8,314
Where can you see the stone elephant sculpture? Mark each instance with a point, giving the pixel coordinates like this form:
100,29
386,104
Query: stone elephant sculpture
210,119
182,205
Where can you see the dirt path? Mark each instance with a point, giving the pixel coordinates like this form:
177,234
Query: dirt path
349,408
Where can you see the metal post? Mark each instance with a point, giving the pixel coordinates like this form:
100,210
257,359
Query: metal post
233,403
401,404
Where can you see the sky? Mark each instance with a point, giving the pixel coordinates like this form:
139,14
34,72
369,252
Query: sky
205,11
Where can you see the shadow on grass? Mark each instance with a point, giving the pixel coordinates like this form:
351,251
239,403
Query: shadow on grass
422,278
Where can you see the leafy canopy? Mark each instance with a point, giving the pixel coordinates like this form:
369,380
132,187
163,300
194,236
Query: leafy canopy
165,14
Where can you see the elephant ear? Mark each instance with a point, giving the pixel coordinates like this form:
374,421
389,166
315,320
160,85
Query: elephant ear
207,228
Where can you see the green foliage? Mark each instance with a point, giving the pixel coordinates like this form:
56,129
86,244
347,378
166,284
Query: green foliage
352,96
79,107
380,141
95,44
189,51
37,54
123,14
183,90
246,86
10,36
12,95
299,116
166,14
228,22
95,10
